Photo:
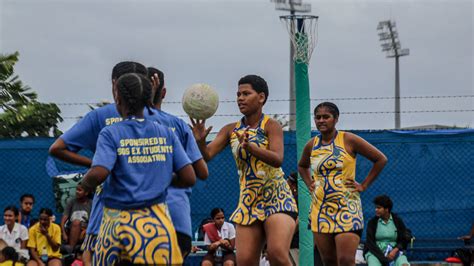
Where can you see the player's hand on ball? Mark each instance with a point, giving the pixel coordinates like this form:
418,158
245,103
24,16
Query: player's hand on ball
199,129
155,81
200,101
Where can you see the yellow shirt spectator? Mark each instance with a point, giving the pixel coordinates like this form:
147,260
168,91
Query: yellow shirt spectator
37,240
10,263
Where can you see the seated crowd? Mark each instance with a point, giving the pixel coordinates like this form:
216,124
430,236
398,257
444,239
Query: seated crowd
27,240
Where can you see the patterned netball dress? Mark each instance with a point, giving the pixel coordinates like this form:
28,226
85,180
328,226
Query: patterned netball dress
263,189
142,236
335,208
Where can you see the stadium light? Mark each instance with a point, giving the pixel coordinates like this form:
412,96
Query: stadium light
388,35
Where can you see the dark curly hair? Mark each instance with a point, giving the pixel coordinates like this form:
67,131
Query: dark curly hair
384,201
258,84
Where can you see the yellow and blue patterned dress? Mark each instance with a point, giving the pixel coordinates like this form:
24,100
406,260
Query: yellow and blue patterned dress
141,236
263,189
335,208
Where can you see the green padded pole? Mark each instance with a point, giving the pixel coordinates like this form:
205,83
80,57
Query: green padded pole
303,134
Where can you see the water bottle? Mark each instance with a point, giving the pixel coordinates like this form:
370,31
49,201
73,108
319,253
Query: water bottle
44,255
196,235
387,251
219,254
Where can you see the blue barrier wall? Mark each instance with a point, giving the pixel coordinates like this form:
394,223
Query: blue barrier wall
22,170
429,177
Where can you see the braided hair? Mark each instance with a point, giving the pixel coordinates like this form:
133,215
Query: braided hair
332,108
384,201
161,78
135,92
126,67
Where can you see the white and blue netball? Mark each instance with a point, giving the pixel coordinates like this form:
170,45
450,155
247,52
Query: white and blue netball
200,101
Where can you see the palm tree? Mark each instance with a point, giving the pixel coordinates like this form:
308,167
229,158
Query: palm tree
12,91
20,113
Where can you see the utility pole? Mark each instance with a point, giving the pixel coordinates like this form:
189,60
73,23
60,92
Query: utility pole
391,45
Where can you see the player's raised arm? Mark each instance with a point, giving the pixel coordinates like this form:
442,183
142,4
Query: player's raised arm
217,145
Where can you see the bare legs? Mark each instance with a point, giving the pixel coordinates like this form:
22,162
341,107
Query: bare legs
337,249
278,230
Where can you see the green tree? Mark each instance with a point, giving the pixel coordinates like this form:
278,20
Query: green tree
21,115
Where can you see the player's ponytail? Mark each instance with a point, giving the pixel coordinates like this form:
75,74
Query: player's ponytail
135,92
126,67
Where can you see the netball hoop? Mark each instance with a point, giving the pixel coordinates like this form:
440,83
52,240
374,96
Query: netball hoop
303,34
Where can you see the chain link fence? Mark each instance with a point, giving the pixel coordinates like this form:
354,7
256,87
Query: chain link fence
22,170
429,177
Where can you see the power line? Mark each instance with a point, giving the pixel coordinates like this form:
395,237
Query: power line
69,104
353,98
412,111
392,98
346,113
317,99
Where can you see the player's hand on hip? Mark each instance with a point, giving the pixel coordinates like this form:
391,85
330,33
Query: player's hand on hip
354,185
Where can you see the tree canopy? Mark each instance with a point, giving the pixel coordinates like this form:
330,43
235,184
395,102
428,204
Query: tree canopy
21,115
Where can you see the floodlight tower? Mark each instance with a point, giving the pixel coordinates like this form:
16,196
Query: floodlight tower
293,6
391,44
